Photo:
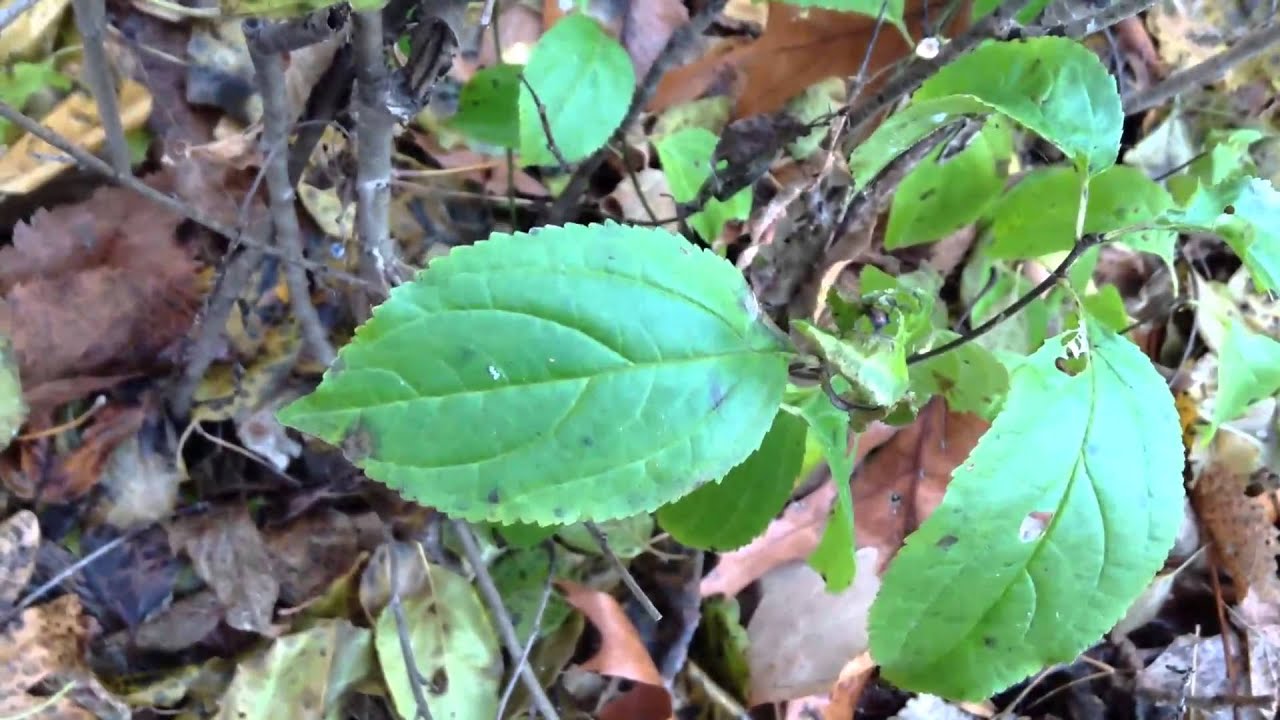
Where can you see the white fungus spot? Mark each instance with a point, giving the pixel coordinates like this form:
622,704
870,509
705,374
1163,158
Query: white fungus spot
1034,525
495,373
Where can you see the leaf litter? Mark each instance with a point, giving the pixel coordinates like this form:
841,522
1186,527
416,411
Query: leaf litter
255,569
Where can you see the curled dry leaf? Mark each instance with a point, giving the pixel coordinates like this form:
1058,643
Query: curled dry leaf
793,536
97,288
622,654
19,542
1244,539
228,553
802,635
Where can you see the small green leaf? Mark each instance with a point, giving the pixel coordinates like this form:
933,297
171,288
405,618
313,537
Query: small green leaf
578,372
874,365
1123,196
521,579
969,377
938,198
452,644
686,160
1057,521
627,537
728,514
21,80
525,535
989,286
13,411
488,106
1248,371
1053,86
304,675
1245,212
834,557
1108,307
584,80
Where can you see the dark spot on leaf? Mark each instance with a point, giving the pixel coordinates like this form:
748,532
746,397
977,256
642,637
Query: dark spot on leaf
989,641
718,394
928,194
1230,209
1070,367
588,441
439,682
558,512
946,541
945,384
493,497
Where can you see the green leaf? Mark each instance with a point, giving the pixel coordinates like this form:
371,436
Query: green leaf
982,8
19,81
1245,212
304,675
1038,215
1248,371
875,366
936,198
834,557
584,80
686,161
969,377
13,411
1055,87
578,372
488,106
525,535
1057,521
521,579
627,537
728,514
452,644
989,286
1107,306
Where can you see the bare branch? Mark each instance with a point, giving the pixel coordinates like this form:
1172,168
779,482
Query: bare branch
295,34
374,127
269,68
632,586
1209,71
91,19
417,683
546,125
501,618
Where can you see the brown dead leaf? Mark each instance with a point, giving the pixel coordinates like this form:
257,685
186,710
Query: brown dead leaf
649,25
790,659
790,537
181,625
849,686
622,654
44,641
376,580
1244,541
799,47
80,470
229,554
628,201
902,484
311,553
19,542
96,288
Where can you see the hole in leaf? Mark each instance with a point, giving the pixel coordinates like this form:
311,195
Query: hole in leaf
1034,525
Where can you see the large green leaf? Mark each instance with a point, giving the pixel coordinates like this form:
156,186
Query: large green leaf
1059,518
1248,371
728,514
452,644
488,106
579,372
938,197
1053,86
686,161
1038,216
584,80
1244,211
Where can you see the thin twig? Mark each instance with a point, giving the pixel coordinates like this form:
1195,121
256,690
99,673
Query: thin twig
297,33
632,586
1099,21
1204,73
11,13
533,633
91,18
681,39
93,163
269,69
501,618
546,126
1052,279
374,126
635,183
417,683
66,573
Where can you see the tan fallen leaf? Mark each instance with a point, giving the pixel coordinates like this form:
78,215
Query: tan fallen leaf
229,554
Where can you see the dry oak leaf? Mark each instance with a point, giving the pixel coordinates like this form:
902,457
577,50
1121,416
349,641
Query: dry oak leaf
1244,538
229,554
799,47
622,654
95,288
903,483
19,542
